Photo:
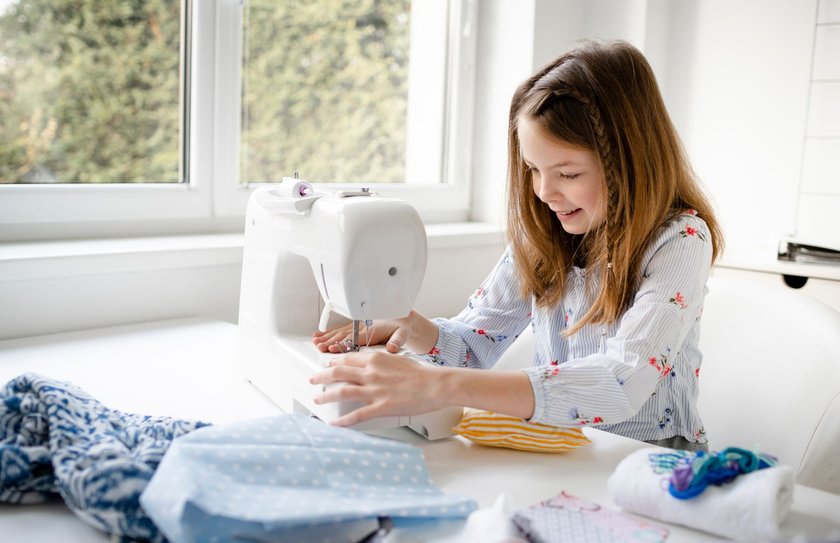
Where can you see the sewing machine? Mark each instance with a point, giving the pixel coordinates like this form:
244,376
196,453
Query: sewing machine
312,260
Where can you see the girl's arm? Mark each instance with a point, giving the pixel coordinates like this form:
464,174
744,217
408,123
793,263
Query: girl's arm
495,315
391,385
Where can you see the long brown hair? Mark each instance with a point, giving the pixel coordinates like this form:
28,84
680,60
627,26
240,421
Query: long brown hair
603,97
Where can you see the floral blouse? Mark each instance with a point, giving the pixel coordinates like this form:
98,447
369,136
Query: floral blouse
637,377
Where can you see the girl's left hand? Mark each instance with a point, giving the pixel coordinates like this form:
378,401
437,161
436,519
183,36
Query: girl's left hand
387,385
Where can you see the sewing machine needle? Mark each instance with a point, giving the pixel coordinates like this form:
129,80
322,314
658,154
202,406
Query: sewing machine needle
355,345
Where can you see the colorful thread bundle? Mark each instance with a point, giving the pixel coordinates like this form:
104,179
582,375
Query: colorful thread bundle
691,473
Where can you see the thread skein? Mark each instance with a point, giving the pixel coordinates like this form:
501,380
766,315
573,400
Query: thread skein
692,473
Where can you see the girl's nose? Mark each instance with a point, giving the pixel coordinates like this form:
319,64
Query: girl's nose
548,193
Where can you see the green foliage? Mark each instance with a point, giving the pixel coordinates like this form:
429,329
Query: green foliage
90,90
325,90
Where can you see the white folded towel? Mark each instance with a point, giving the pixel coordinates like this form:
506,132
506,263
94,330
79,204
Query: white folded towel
751,507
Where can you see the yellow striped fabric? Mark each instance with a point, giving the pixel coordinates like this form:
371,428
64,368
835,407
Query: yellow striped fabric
494,430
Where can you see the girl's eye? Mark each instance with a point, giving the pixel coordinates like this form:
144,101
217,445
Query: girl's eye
567,175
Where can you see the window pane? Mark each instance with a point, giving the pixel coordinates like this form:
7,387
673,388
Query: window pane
324,92
90,91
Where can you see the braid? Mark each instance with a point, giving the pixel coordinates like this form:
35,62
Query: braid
610,172
601,139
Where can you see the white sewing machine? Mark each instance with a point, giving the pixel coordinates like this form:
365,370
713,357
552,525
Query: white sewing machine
318,260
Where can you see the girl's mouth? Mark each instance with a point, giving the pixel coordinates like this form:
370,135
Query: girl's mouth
568,215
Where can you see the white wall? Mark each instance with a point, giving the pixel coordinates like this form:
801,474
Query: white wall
818,213
738,83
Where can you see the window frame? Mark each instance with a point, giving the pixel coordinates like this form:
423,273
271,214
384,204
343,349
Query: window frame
211,198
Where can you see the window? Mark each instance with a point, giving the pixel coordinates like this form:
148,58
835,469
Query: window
90,92
160,117
324,91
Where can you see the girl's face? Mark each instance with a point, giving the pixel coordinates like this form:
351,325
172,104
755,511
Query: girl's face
568,179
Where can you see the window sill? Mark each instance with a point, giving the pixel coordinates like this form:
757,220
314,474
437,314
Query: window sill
193,250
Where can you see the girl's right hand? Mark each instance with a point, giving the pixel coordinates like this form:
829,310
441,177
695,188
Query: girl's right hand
413,332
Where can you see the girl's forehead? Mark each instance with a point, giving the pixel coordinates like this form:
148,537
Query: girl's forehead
536,140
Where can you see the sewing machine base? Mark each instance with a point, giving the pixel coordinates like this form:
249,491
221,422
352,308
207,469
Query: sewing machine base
283,373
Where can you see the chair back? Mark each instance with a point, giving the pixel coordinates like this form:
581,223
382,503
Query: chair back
770,378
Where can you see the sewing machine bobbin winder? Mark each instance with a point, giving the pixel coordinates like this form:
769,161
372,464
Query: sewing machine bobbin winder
317,259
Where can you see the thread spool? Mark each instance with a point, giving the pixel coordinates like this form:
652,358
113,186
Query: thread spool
294,188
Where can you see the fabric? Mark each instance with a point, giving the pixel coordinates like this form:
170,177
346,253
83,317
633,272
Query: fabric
570,519
637,377
679,442
495,430
55,438
750,508
491,524
291,478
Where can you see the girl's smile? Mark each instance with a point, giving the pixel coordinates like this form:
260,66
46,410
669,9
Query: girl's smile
567,215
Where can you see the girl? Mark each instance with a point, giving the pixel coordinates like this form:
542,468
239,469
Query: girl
610,245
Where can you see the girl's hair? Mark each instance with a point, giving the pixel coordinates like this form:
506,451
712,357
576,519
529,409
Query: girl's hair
601,97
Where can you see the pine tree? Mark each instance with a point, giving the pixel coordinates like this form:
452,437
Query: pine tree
90,90
325,92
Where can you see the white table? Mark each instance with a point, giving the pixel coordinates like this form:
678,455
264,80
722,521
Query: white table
187,368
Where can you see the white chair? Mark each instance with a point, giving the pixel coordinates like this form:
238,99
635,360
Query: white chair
770,378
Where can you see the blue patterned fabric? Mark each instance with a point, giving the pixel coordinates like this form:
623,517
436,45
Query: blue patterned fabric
55,438
291,478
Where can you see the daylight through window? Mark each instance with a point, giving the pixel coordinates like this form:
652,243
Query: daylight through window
89,91
324,90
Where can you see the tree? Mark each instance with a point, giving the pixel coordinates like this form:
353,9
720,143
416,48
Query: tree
325,91
90,90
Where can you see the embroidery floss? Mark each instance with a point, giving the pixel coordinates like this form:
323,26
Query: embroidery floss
692,473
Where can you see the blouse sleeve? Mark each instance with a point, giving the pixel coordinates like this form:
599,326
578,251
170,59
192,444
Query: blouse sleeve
495,315
611,386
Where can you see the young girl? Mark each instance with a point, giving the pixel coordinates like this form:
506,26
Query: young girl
610,245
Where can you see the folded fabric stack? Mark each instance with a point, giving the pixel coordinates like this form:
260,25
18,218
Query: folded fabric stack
748,502
292,478
54,438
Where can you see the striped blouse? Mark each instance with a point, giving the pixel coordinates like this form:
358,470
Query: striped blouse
636,377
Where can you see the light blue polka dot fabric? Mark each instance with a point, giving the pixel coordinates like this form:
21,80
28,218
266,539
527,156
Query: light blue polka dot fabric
291,478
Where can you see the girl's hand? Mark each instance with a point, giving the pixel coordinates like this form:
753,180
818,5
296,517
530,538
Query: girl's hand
414,332
387,385
336,340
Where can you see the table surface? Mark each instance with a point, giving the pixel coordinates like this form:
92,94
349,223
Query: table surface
187,368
